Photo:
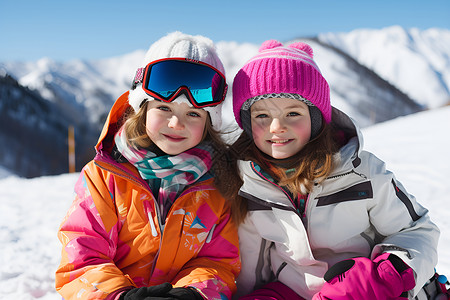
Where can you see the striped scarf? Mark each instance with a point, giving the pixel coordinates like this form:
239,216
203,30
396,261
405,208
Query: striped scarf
175,172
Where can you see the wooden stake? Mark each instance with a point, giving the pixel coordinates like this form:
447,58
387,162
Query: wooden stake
71,150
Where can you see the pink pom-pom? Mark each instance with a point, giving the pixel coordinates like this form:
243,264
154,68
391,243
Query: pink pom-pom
269,45
304,47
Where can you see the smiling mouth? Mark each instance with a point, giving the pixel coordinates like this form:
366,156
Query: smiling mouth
174,137
280,141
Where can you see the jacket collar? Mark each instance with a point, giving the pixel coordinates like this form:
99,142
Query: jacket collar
348,156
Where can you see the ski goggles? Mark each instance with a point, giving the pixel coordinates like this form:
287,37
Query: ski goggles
167,78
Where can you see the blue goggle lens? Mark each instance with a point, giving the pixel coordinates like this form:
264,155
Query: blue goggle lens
168,77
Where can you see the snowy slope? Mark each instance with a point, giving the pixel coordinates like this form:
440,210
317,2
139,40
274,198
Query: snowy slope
416,61
414,147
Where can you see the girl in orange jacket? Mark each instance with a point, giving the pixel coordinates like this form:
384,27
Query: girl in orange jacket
148,219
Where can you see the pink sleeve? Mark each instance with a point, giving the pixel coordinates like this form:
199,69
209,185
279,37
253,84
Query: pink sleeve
88,249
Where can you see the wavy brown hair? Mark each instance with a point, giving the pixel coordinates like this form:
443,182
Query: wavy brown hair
312,164
135,128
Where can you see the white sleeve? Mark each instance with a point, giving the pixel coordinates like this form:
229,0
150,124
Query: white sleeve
255,266
405,224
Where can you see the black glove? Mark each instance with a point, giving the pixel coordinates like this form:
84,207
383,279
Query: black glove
147,292
184,293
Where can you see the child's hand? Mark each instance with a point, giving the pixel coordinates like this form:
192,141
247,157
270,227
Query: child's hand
183,294
386,277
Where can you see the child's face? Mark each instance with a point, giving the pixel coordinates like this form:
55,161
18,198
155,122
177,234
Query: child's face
175,127
281,127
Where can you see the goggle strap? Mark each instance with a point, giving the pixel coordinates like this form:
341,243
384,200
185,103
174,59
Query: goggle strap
138,78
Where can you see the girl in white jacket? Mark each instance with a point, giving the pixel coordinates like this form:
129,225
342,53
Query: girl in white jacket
320,217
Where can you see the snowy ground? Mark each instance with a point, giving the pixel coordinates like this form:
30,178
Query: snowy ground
415,147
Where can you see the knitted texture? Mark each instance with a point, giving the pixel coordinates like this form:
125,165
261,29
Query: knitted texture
278,69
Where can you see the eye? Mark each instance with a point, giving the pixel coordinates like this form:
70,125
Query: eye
194,114
163,108
260,116
293,114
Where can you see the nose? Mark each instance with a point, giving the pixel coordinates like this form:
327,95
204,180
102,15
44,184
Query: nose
175,123
277,126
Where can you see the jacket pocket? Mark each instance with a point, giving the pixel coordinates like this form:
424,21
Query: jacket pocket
359,191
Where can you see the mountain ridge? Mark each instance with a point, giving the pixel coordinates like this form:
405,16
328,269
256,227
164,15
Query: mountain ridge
82,92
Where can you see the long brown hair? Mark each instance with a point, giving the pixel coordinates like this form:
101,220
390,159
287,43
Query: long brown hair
135,128
312,164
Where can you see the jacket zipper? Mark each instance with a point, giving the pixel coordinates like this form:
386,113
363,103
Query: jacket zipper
347,173
152,224
280,188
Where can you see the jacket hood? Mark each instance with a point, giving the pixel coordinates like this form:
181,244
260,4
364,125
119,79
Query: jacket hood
353,141
112,124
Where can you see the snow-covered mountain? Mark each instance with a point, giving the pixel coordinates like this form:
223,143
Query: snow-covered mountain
33,132
369,84
85,89
416,61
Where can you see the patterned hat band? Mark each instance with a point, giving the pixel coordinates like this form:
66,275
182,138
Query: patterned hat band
247,104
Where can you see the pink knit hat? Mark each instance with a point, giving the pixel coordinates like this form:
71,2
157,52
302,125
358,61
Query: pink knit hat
277,69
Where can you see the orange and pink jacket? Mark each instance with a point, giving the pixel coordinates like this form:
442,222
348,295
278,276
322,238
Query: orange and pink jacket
113,239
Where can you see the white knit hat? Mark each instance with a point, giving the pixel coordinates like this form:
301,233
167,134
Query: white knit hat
177,44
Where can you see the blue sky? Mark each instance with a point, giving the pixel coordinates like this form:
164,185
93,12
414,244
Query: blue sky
92,29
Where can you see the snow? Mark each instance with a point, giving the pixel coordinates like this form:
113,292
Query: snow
416,61
30,213
4,172
414,147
